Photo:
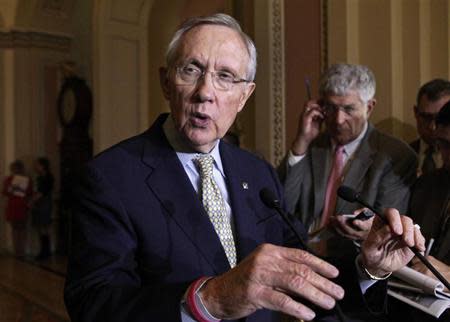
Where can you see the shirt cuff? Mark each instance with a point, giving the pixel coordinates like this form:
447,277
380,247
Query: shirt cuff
364,282
192,307
294,159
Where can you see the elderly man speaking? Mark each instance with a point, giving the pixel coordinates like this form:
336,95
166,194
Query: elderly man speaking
170,225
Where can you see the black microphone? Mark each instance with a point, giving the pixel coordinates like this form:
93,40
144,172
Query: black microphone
272,202
351,195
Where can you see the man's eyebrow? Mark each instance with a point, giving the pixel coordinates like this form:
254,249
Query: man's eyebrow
227,69
193,61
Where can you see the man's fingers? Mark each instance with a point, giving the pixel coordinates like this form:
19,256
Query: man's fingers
408,231
300,286
278,301
318,281
363,224
419,239
393,218
347,231
318,265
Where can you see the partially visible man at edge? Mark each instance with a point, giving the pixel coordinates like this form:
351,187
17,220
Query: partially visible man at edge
430,208
430,99
144,247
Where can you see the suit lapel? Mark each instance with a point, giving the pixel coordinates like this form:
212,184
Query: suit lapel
357,167
240,190
320,164
170,184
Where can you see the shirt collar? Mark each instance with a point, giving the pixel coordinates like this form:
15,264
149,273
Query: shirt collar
351,147
185,153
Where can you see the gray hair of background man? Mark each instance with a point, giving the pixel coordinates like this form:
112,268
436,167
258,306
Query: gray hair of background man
339,79
216,19
434,90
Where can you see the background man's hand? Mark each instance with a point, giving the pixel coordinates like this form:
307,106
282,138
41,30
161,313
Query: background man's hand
352,229
271,277
386,247
308,127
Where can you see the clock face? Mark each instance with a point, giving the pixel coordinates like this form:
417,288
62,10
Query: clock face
69,105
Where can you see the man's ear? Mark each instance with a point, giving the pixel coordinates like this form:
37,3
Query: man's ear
371,105
164,81
246,93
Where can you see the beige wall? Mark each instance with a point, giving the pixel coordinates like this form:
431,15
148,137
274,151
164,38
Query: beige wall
303,57
405,43
164,17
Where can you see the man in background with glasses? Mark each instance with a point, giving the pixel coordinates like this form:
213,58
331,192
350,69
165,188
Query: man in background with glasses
430,208
351,152
170,225
430,99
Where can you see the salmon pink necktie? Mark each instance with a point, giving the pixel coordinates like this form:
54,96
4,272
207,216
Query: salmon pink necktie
334,180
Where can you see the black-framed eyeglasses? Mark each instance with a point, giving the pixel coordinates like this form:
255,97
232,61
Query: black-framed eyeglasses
329,108
222,80
427,117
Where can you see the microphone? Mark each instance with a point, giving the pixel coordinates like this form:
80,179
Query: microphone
271,201
269,198
350,195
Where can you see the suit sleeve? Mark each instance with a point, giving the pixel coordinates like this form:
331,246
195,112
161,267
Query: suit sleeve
399,176
103,283
369,307
291,179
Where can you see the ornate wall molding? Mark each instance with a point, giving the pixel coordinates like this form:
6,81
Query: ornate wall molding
324,36
270,92
278,92
34,39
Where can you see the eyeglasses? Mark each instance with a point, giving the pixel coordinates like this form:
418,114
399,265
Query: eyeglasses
331,108
222,80
427,117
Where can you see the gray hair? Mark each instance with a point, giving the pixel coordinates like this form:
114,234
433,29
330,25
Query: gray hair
220,19
339,79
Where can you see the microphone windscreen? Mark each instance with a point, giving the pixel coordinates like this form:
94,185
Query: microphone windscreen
347,194
268,198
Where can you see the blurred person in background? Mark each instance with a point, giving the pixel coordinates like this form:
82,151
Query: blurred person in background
18,189
430,99
42,205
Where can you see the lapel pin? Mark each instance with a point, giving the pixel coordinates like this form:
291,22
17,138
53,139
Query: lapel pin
245,185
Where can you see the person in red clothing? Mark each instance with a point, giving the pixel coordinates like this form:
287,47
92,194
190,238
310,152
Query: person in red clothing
18,189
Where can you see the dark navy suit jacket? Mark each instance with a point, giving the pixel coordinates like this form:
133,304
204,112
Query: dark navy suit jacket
141,235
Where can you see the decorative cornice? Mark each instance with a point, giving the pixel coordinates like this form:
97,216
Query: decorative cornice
278,96
34,39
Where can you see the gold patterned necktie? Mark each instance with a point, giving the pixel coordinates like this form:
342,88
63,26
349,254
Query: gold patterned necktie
215,206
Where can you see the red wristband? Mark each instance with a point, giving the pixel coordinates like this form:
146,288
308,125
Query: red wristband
191,301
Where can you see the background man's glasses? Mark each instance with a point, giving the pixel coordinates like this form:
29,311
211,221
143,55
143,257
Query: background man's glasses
427,117
222,80
329,109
